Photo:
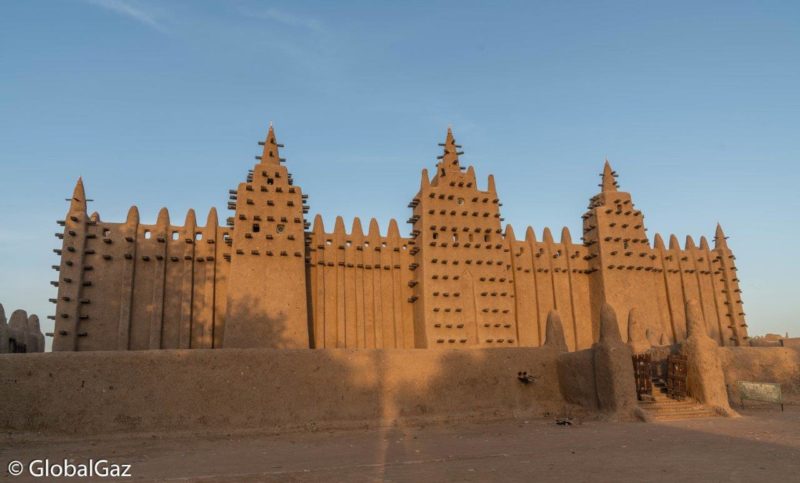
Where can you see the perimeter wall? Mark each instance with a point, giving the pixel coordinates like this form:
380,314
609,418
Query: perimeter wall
167,390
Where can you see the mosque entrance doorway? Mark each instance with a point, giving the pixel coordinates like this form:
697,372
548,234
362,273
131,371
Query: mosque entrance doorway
676,376
643,374
663,373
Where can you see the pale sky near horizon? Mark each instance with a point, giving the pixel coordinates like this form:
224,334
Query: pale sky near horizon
161,103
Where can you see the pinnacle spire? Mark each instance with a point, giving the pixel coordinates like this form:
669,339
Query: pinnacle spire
133,216
191,220
554,332
78,201
319,225
163,218
450,155
719,238
212,219
357,231
658,242
566,238
609,182
425,182
374,230
270,153
393,231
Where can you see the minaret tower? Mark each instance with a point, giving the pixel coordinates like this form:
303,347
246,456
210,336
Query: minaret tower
725,270
619,251
69,317
463,281
267,301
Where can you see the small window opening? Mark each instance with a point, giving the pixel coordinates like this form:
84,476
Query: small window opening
198,236
175,235
256,228
486,238
455,237
280,228
147,234
435,235
270,181
106,232
460,201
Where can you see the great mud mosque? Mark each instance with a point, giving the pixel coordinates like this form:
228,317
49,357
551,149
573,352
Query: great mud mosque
268,278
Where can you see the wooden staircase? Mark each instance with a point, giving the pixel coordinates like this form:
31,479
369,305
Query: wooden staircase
660,407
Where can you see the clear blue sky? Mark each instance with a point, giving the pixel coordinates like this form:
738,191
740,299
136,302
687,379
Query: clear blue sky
161,103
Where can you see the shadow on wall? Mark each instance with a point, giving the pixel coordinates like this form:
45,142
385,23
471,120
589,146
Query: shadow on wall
600,378
487,383
450,386
164,390
247,325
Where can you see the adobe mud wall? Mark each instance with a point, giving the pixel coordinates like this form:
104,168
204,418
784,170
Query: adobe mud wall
762,364
129,391
459,279
360,286
576,378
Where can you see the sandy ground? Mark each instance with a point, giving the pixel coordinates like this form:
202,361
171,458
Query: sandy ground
763,445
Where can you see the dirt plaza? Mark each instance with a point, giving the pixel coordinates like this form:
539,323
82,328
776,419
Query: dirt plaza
764,444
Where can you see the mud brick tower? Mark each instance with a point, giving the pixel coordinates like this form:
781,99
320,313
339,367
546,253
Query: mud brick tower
267,300
463,279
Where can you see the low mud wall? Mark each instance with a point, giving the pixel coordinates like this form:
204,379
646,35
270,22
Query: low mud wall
576,378
762,364
169,390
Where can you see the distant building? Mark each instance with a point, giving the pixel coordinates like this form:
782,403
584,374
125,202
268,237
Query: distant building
20,333
267,279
